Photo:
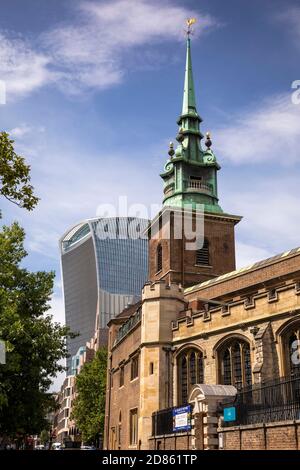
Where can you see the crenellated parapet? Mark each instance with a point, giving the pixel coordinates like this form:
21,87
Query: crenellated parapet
162,289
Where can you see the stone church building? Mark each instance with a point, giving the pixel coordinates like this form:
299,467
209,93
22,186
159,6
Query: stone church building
204,333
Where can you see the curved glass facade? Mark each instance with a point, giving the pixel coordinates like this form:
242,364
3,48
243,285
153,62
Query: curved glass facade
104,266
122,254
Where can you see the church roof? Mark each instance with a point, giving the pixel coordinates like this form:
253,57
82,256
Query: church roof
129,310
247,269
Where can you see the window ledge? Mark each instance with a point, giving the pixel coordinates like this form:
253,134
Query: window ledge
135,378
209,266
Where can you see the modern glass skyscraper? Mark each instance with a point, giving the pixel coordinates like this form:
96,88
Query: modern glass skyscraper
104,267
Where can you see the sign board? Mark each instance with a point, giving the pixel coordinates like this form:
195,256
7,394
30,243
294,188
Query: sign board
230,414
182,418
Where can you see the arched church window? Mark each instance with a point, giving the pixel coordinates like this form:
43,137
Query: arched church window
190,369
202,255
159,258
291,342
235,364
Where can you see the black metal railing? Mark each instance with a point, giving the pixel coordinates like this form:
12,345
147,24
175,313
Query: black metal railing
162,422
276,400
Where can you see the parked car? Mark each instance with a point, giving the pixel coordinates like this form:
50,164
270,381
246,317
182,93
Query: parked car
84,447
39,447
57,446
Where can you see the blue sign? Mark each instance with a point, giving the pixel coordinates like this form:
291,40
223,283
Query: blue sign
230,414
182,419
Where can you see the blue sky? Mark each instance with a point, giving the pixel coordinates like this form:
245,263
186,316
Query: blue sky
94,89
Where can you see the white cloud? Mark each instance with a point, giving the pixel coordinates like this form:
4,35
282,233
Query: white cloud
71,186
94,52
248,254
269,132
96,49
19,132
44,240
21,67
127,22
271,215
57,309
24,130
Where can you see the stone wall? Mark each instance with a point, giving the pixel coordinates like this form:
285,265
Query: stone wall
160,305
259,323
120,399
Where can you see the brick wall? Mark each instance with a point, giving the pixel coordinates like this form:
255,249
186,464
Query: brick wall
179,441
271,436
179,263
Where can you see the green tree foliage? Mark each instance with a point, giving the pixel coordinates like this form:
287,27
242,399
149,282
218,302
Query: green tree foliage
89,405
15,175
44,436
34,343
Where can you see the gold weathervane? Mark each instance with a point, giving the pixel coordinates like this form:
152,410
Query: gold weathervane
190,22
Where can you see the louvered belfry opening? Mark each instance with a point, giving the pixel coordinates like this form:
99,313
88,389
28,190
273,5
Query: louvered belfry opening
202,255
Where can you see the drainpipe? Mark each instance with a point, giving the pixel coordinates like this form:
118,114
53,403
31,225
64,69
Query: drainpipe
168,383
108,406
168,376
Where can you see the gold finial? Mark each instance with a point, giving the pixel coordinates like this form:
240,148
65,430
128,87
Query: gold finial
190,22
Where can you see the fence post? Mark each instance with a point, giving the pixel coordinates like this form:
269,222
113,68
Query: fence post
198,431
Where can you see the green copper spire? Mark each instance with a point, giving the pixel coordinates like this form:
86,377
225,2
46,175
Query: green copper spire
189,101
190,174
189,120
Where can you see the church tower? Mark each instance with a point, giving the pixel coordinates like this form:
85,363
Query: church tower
190,191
